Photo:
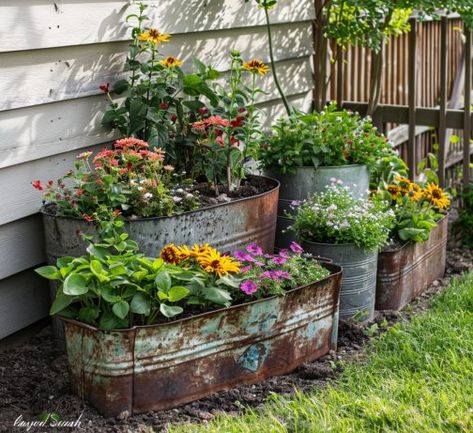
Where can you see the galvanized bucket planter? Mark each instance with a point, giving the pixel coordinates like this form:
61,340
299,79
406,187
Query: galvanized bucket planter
227,226
405,273
358,290
307,181
148,368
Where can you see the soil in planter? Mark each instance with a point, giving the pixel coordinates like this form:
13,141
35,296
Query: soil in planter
250,187
33,377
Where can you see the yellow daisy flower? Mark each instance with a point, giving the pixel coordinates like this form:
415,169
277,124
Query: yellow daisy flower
199,250
154,36
256,66
171,254
404,184
171,62
213,262
394,190
436,196
415,193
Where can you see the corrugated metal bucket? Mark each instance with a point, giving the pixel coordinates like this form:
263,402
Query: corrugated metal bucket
162,366
406,272
307,181
357,294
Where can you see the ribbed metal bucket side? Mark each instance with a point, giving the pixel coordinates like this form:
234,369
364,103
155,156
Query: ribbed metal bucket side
307,181
358,290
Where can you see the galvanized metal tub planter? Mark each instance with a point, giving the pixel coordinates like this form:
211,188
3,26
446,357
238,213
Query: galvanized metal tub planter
148,368
227,226
307,181
406,272
358,289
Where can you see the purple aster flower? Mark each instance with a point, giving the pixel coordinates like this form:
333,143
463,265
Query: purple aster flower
248,287
268,256
296,248
296,202
284,254
254,249
240,255
246,268
267,274
283,274
279,260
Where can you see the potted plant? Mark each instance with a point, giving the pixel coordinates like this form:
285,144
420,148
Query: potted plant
152,333
416,254
307,152
349,231
180,175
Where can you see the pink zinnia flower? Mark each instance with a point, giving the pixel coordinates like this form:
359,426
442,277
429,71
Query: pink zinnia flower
279,260
248,287
246,268
296,248
285,254
254,249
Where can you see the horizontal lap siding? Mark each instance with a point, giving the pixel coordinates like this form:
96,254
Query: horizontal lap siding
53,57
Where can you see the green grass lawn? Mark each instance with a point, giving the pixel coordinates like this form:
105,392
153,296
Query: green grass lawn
418,377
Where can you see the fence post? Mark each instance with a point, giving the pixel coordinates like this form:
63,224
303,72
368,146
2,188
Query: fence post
443,148
467,132
412,87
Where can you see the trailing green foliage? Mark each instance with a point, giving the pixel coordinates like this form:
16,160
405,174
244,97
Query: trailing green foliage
415,378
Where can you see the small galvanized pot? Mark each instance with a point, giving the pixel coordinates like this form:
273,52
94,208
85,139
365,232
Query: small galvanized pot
157,367
307,181
406,272
358,290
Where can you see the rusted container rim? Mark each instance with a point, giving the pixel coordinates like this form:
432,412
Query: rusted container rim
275,182
406,244
334,271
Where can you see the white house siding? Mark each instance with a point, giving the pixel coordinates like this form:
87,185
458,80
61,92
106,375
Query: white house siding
53,57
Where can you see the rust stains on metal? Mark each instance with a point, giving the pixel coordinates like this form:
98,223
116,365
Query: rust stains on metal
405,273
162,366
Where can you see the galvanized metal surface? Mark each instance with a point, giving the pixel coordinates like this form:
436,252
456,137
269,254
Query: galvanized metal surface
404,273
307,181
162,366
358,290
227,226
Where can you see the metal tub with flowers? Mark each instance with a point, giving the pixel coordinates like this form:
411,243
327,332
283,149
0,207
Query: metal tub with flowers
408,269
242,321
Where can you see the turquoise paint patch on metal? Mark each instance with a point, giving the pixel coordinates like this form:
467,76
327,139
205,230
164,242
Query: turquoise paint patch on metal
263,316
253,357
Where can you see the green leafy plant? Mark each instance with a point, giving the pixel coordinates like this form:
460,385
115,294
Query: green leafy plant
465,218
418,207
115,287
336,217
330,138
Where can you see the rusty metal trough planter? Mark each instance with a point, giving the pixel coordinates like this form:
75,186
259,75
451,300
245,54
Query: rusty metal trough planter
404,273
148,368
227,226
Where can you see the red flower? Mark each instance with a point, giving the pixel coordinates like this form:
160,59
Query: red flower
238,121
164,105
173,118
203,110
79,192
241,110
116,212
105,88
37,185
50,183
130,142
88,218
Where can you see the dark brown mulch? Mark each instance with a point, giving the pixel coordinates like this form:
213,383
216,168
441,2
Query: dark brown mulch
33,377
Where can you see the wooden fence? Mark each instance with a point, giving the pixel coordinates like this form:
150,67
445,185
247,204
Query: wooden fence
425,97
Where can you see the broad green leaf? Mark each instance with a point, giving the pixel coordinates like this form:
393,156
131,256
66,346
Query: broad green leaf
163,281
169,311
177,293
75,285
140,304
121,309
98,270
62,262
110,321
157,264
100,253
60,303
88,314
218,296
109,295
229,281
49,272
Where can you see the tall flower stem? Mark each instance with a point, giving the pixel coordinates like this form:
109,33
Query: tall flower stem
273,64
